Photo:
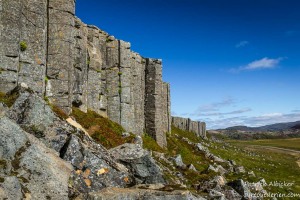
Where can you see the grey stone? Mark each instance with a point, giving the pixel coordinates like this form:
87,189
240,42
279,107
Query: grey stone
29,157
232,195
239,169
141,164
37,118
178,161
215,195
240,186
192,167
11,188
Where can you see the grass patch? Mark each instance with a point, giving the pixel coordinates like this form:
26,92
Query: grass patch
191,136
293,143
150,144
272,166
8,99
102,130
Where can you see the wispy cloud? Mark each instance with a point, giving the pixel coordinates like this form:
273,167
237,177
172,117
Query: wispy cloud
222,114
264,63
255,121
212,107
241,44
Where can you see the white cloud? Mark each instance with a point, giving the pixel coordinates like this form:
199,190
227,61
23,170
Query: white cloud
264,63
241,44
255,121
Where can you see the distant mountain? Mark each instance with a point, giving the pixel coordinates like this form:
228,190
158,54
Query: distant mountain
272,127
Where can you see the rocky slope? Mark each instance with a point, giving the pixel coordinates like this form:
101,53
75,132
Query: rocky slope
44,157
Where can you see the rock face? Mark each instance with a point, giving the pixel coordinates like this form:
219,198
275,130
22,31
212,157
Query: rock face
186,124
29,167
142,165
70,63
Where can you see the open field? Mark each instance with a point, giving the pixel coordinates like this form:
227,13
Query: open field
277,163
293,143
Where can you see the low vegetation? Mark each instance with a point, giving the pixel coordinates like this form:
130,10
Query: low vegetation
101,129
271,165
23,46
292,143
8,99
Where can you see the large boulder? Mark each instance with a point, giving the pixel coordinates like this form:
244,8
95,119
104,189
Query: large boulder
28,164
241,187
139,161
94,168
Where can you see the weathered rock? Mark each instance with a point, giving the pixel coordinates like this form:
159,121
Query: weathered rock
37,118
95,169
39,168
201,147
140,194
178,161
215,195
3,109
239,169
232,195
240,187
11,188
141,164
217,169
70,143
219,180
192,167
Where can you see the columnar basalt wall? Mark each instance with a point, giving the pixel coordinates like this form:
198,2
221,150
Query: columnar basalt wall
186,124
44,45
154,103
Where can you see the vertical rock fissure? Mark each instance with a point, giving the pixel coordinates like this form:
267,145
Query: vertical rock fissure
47,47
20,36
120,81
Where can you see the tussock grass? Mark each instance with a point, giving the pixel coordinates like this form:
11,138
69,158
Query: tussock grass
101,129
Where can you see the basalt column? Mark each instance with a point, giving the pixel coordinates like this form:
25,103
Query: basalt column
61,42
23,29
153,101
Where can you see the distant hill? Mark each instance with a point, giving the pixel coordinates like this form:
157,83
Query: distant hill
272,127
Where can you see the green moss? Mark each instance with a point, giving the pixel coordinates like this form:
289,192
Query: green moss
109,40
101,129
23,46
58,111
120,73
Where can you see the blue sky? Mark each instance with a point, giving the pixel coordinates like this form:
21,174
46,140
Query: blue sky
229,62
